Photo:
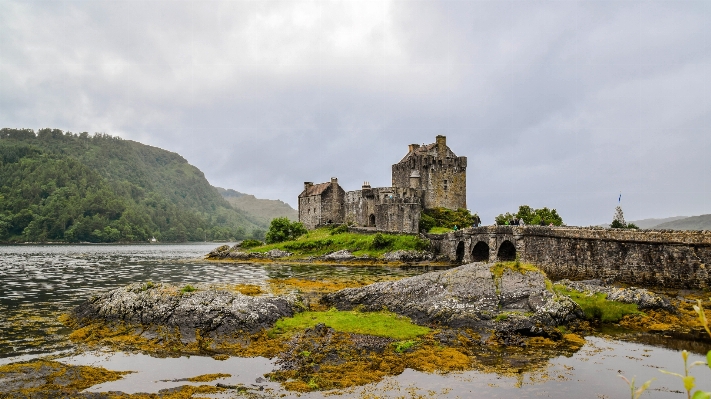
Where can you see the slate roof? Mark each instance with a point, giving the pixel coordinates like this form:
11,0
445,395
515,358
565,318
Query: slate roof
428,149
316,189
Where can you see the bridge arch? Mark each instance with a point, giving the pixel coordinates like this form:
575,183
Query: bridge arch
507,251
460,251
480,252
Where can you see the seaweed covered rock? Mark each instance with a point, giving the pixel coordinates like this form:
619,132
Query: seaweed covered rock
643,298
211,311
471,296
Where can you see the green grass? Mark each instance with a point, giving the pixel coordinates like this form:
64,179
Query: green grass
440,230
597,307
320,242
382,324
498,269
188,288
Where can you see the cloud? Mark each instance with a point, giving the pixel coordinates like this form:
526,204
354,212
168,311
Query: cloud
559,104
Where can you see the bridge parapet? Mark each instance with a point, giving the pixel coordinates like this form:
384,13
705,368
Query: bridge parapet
642,257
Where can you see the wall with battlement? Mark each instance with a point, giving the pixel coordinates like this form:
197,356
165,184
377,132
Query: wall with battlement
675,259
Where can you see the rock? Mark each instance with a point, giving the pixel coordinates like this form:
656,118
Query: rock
219,252
277,253
408,256
209,310
643,298
343,254
467,296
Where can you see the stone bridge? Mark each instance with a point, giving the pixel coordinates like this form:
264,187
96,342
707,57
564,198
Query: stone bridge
662,258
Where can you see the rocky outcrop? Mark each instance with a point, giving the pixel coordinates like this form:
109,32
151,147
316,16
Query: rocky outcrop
643,298
467,296
408,256
209,310
277,253
343,254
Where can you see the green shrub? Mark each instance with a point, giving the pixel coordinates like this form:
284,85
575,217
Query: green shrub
447,218
282,229
246,244
339,229
532,216
382,241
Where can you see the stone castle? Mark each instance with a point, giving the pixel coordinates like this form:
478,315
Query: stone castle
429,176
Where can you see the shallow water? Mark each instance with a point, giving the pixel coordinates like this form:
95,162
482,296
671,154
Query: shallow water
41,282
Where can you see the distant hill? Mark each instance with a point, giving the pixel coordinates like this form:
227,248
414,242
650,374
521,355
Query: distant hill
650,223
702,222
57,186
263,210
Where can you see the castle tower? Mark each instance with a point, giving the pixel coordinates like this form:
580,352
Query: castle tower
437,171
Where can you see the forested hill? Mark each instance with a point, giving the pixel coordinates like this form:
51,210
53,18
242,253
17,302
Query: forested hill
57,186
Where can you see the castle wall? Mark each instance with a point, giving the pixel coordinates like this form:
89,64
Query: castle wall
310,211
386,208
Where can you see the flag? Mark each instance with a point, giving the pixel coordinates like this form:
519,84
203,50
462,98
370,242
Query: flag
619,199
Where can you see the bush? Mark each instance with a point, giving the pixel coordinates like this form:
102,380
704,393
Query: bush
282,229
250,244
443,217
530,216
340,229
381,241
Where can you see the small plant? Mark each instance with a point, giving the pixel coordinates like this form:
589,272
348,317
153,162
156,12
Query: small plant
305,354
246,244
147,286
188,288
635,392
404,346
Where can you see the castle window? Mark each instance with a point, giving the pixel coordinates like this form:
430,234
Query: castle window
445,184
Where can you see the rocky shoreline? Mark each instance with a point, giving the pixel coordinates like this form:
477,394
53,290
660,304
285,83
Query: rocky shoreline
238,254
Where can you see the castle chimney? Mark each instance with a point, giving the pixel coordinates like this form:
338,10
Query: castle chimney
308,184
366,185
412,147
334,181
441,142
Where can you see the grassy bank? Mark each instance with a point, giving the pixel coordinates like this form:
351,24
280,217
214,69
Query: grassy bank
598,307
325,240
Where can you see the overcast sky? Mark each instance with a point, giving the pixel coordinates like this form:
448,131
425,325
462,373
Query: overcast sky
562,104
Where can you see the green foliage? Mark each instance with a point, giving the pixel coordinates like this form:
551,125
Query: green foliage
597,307
530,216
339,229
282,229
246,244
382,324
404,346
446,218
188,288
616,224
60,186
320,242
381,241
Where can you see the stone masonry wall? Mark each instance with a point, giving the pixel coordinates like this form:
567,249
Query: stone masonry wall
678,259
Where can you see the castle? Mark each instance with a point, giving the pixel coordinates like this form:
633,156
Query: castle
429,176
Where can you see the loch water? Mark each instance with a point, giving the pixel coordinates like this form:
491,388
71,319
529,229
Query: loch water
40,282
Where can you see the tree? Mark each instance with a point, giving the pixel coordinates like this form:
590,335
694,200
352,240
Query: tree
282,229
542,216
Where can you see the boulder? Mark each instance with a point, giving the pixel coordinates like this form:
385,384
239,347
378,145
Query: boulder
467,296
408,256
643,298
343,254
277,253
210,310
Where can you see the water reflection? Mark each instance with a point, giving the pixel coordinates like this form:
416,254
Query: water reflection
39,282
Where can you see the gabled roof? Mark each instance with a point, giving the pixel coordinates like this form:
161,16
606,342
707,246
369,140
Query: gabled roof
316,189
428,149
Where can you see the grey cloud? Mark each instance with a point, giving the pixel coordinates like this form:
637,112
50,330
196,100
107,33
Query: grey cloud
559,104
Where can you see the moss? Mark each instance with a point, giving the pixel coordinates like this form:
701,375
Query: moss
188,288
382,324
597,307
248,289
497,270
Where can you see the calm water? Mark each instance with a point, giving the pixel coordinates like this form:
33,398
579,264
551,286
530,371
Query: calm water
40,282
